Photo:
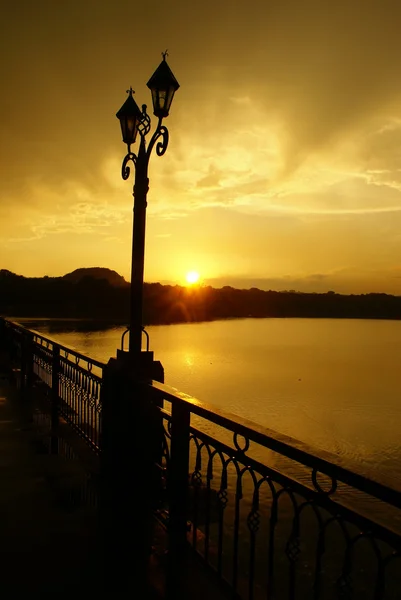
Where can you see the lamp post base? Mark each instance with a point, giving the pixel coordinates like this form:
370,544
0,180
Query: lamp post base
141,366
132,438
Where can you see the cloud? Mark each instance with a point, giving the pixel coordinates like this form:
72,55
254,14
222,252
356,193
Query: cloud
286,128
81,218
212,179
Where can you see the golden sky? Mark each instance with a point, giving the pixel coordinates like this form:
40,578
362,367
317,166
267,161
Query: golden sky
284,164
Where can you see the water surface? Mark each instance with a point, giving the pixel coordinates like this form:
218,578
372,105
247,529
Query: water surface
333,383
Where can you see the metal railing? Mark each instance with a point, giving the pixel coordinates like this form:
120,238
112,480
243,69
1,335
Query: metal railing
72,380
272,517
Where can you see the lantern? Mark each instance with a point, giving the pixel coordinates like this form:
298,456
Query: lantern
163,86
130,117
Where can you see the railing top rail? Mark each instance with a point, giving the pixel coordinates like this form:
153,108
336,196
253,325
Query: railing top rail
62,347
320,460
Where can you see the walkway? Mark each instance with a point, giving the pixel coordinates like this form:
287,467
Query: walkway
47,536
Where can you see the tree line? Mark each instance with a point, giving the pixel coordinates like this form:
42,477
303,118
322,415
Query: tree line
99,297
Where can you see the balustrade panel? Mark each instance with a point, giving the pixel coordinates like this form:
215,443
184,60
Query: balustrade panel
276,519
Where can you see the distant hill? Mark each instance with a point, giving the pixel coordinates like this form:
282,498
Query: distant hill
112,277
6,274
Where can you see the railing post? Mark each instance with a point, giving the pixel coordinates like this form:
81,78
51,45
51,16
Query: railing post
55,399
4,349
2,334
178,499
26,364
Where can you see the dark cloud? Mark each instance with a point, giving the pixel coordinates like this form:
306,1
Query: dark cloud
321,68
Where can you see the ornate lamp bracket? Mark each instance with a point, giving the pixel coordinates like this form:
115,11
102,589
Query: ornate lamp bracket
160,135
125,169
161,146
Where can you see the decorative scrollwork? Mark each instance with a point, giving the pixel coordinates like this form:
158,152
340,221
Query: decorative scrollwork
253,521
318,487
144,124
125,170
237,445
196,478
222,498
161,146
293,548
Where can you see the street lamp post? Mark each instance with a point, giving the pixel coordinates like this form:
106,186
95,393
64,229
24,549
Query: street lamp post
132,428
163,86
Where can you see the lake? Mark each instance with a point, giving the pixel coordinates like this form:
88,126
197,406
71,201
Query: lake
332,383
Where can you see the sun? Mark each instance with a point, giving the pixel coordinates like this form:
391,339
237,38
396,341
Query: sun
192,277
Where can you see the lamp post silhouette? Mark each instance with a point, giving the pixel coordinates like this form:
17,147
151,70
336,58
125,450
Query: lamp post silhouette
163,86
132,427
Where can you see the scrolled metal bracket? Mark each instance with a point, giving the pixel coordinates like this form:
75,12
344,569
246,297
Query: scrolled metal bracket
125,169
161,136
161,146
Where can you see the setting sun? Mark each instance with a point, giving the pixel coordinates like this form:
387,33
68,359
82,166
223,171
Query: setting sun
192,277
